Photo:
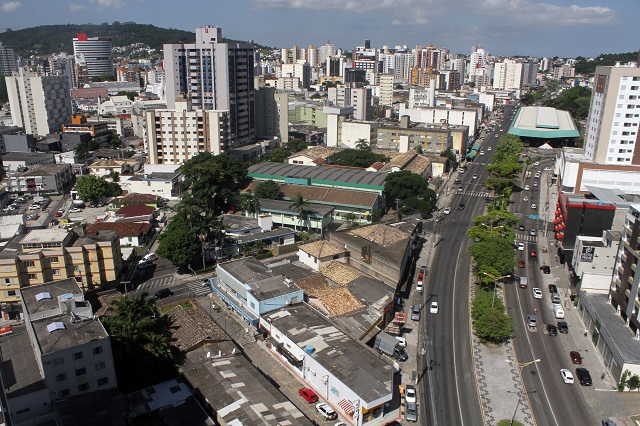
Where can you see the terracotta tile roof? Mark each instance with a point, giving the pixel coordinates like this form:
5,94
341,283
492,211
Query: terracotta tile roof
135,199
322,248
135,210
351,198
111,162
419,165
339,301
316,152
377,165
340,273
102,302
124,229
400,161
313,285
380,234
191,327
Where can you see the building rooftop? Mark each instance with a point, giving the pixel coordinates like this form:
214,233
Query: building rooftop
322,248
279,206
44,170
340,273
70,334
41,236
135,199
246,270
124,229
272,287
20,372
154,177
326,195
611,324
293,270
357,366
103,407
25,156
236,391
316,152
249,238
321,176
192,327
543,122
135,210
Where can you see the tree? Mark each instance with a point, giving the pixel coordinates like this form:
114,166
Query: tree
495,252
490,323
357,158
91,187
411,189
296,145
179,242
250,203
633,382
140,336
277,155
300,206
363,145
450,156
4,95
130,95
350,219
270,190
622,383
83,148
115,141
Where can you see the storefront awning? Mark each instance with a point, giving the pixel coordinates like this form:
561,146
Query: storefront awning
346,406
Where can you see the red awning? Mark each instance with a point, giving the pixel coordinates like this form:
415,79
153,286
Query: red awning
346,406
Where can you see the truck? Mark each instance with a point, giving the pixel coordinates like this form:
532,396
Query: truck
389,345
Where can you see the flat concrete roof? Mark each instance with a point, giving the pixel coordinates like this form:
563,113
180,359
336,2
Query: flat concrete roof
322,176
40,236
355,365
543,122
73,334
24,156
20,373
281,206
237,392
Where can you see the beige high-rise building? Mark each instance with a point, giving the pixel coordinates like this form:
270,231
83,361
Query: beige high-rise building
386,89
176,135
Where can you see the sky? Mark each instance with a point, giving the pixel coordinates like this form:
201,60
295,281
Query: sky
564,28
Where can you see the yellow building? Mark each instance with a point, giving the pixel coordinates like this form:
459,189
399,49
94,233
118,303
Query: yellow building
45,255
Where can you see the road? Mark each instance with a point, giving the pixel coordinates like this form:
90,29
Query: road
449,388
550,398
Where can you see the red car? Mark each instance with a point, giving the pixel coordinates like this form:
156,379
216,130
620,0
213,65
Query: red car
533,253
521,264
575,357
58,214
420,278
309,395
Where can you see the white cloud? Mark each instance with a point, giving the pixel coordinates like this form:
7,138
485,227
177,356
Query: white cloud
110,4
351,5
76,7
531,12
11,6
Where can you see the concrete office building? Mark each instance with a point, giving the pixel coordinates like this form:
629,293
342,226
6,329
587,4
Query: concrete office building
94,55
8,60
300,70
614,119
175,135
272,115
217,76
386,90
39,104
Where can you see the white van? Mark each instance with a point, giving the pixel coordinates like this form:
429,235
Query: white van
558,311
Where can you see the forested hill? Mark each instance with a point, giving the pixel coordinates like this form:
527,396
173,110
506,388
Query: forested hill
584,66
47,39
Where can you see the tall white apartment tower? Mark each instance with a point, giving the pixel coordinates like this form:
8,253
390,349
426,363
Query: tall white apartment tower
39,104
478,60
614,116
215,75
95,52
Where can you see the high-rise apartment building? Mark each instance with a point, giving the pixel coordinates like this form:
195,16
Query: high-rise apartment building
300,70
507,75
39,104
386,89
530,74
403,64
613,124
8,60
177,134
93,54
215,75
478,61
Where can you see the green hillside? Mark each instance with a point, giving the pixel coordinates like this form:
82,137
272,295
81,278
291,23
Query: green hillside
47,39
583,66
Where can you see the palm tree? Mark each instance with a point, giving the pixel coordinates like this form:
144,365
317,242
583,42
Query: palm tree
191,208
362,144
300,206
250,203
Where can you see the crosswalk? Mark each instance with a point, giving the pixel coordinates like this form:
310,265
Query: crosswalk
526,237
192,287
165,281
474,194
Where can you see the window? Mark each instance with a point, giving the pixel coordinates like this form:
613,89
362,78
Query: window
100,366
103,381
77,268
11,293
77,356
6,268
75,256
29,264
61,377
58,361
8,281
81,371
83,387
53,259
56,272
97,350
33,276
65,392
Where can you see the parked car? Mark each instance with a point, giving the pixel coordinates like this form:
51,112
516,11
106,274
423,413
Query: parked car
161,294
533,206
58,214
521,227
537,293
447,210
412,412
545,269
566,375
75,210
461,206
399,354
402,341
143,264
410,394
309,395
326,411
583,376
526,187
520,246
575,356
521,264
150,257
553,288
563,327
34,207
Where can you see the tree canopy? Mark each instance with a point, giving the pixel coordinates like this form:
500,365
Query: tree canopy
489,321
179,242
357,158
575,100
269,189
411,189
92,188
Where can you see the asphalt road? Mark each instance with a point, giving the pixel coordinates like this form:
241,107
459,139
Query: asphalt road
550,398
449,387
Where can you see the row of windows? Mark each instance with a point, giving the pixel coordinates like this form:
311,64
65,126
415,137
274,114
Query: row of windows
85,386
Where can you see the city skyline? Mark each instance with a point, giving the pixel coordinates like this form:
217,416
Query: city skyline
549,28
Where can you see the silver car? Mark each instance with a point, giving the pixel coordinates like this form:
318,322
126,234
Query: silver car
412,412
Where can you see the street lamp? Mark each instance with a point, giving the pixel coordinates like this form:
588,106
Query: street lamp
520,366
495,284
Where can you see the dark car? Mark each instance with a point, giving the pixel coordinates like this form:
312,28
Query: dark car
552,330
545,269
563,327
583,376
400,355
553,288
461,206
161,294
575,356
521,227
457,181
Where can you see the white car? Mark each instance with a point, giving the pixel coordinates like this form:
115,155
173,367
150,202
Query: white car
489,148
447,210
537,293
434,308
533,206
520,246
474,177
326,411
34,207
481,152
410,394
526,187
535,184
536,164
150,257
525,199
402,341
546,169
75,210
567,377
